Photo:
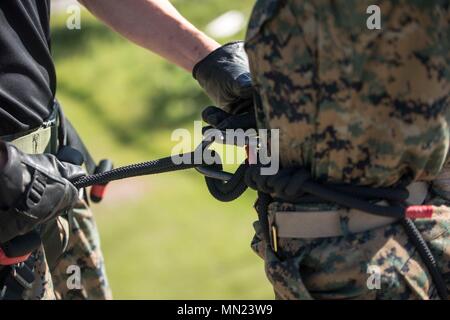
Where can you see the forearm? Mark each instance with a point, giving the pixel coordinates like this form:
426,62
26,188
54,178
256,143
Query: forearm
157,26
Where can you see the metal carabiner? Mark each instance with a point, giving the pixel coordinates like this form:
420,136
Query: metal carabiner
210,171
215,135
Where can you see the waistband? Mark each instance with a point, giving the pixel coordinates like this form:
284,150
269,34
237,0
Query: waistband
43,139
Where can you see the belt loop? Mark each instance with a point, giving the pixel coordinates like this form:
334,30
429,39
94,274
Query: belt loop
344,223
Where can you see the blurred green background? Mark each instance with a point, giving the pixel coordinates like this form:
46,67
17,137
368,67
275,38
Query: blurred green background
163,237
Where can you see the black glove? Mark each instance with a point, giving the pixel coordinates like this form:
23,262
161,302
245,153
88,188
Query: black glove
225,76
33,189
222,120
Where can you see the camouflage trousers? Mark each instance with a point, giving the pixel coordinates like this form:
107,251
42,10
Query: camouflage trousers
71,267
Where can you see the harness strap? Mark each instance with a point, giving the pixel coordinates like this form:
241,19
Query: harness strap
324,224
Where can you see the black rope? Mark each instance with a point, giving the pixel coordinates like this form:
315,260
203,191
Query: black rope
230,190
140,169
427,256
293,183
290,185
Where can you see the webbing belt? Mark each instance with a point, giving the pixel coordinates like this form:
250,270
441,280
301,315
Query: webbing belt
325,224
40,140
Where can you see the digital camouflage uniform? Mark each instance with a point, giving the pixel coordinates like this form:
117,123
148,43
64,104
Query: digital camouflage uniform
359,106
83,250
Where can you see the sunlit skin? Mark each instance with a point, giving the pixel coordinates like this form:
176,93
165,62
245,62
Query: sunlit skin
157,26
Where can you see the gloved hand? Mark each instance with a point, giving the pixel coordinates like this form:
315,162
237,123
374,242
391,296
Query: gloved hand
33,189
222,120
225,76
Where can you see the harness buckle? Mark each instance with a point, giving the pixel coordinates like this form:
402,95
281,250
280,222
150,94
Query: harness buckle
212,135
20,277
3,292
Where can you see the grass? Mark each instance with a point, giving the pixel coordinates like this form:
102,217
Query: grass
162,236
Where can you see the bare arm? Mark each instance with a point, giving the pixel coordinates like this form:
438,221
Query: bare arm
157,26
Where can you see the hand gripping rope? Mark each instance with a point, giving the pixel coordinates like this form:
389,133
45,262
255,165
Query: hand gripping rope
19,249
224,186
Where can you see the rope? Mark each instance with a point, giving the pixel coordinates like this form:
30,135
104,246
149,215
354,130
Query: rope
290,184
293,183
427,257
140,169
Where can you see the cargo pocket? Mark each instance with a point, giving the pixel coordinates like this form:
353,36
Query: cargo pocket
55,237
83,254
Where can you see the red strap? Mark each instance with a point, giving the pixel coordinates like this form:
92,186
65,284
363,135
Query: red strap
7,261
419,212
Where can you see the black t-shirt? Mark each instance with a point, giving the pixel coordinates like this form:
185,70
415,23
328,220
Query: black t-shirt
27,73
